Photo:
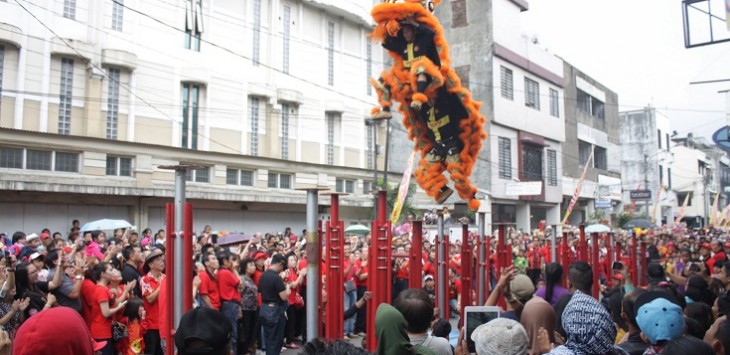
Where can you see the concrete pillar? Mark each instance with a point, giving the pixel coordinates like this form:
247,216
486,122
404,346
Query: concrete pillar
522,215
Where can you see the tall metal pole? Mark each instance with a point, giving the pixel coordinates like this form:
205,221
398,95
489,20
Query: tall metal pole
179,213
441,269
313,258
646,182
483,263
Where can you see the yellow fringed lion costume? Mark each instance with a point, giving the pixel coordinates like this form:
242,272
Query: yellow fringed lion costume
401,83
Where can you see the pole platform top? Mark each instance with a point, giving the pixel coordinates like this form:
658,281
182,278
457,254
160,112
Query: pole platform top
181,167
318,188
335,193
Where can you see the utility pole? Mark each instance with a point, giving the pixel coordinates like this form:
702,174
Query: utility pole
706,194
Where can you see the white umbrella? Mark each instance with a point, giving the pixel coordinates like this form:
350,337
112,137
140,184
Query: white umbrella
357,229
597,228
105,225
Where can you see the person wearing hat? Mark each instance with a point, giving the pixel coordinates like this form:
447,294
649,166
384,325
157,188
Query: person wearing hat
500,336
660,319
203,330
150,284
705,249
274,297
39,334
259,259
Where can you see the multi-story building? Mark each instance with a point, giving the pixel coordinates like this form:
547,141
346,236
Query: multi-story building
265,96
591,136
646,161
521,86
700,173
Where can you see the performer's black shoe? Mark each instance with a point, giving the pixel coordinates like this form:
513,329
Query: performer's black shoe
444,195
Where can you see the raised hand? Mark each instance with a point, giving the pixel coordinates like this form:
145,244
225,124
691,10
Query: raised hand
24,304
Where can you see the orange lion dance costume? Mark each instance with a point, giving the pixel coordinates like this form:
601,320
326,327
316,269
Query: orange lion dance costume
442,119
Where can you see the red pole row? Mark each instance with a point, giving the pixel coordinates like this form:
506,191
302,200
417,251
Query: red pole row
609,259
596,263
416,263
335,278
565,255
466,269
583,254
380,271
188,256
644,274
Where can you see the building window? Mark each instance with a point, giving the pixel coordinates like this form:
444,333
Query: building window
331,53
600,158
190,100
285,131
198,175
117,15
507,86
668,145
659,137
590,105
367,187
554,103
38,160
661,175
505,158
681,196
287,33
239,177
253,116
65,96
669,178
118,166
346,186
193,24
279,181
330,138
532,94
112,106
67,162
256,56
11,158
369,68
532,166
69,9
552,165
584,151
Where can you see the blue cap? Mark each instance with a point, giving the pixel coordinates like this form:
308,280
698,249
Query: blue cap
660,320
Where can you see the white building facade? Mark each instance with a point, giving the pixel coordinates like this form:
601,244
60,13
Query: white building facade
267,96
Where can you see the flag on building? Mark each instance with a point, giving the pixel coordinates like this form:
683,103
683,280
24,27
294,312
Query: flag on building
682,210
713,212
578,188
402,190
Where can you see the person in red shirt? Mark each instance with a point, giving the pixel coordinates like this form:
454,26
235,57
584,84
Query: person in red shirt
294,277
150,284
350,296
400,271
229,285
534,262
101,307
361,281
546,252
454,292
208,289
717,255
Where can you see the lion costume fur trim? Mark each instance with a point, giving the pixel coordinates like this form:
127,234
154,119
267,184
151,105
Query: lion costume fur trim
401,82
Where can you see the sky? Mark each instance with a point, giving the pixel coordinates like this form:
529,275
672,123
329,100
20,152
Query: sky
636,49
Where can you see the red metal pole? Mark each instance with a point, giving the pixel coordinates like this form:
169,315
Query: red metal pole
632,254
416,262
335,277
380,271
188,257
644,273
583,244
566,258
466,269
170,275
596,268
608,239
321,272
488,265
446,283
501,261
